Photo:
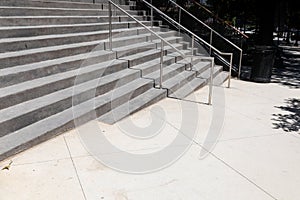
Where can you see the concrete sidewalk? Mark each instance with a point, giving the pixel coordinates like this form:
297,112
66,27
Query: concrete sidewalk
255,155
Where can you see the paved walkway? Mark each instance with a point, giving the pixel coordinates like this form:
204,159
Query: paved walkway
251,132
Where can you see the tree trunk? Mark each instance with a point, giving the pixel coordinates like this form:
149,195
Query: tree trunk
265,23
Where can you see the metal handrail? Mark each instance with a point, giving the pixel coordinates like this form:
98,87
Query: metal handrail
211,32
163,41
195,36
211,13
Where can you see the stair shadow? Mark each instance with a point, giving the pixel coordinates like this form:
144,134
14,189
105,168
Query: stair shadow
289,122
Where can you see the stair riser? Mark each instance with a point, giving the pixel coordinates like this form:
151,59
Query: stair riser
42,113
59,20
14,11
26,32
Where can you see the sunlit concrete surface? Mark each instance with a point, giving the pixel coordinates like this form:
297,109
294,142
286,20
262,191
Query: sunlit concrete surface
251,132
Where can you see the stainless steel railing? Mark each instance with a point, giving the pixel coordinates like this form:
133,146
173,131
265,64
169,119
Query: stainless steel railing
194,36
212,31
163,42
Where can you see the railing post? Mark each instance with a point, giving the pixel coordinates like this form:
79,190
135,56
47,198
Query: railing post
179,18
151,14
161,65
230,70
240,65
210,41
151,35
211,81
193,47
110,25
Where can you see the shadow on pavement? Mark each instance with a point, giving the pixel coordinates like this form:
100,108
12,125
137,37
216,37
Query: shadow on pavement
289,122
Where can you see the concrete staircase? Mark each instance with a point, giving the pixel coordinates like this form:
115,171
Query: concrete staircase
54,60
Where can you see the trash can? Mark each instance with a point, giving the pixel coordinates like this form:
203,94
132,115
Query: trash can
263,61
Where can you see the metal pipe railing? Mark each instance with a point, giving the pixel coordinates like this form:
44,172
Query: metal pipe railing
163,41
211,81
195,36
222,21
211,34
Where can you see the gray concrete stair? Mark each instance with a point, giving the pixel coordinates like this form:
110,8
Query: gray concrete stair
57,71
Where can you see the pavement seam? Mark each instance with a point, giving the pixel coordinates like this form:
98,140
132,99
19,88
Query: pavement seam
222,161
76,171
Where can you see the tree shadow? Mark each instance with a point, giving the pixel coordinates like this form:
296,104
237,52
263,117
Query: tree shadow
289,122
288,75
287,67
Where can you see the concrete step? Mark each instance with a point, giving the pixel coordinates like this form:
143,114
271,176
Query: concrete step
46,128
24,43
168,72
34,88
148,55
26,91
27,31
59,4
124,46
188,88
40,11
221,78
206,73
148,98
178,81
23,73
59,20
21,115
199,81
27,72
153,65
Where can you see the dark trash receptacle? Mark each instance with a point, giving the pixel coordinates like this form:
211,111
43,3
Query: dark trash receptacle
264,57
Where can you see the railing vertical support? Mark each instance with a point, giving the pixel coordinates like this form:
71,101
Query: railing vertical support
240,65
151,35
193,47
151,15
110,25
210,41
161,65
179,19
230,70
211,79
